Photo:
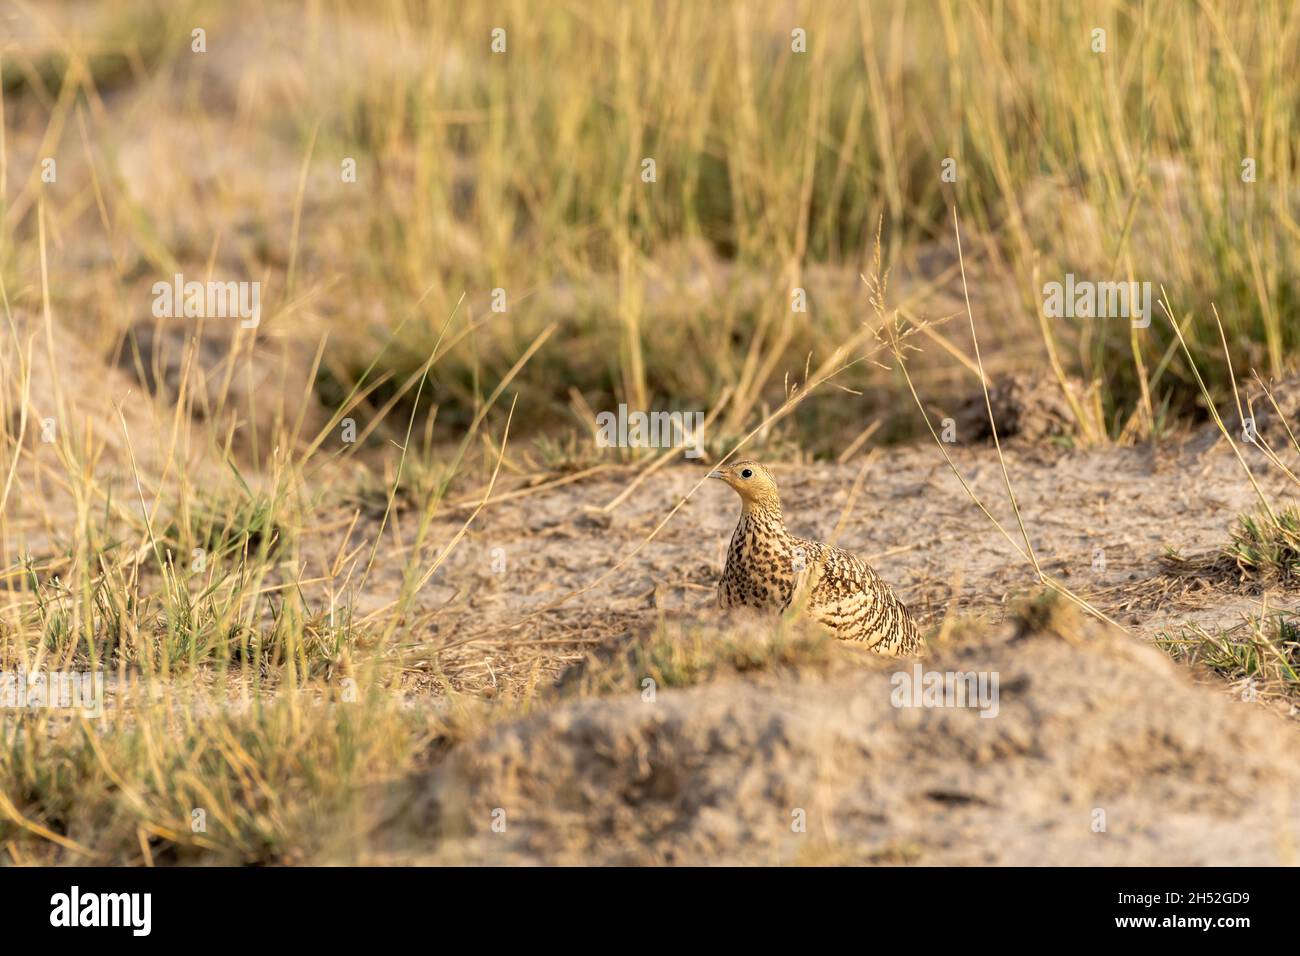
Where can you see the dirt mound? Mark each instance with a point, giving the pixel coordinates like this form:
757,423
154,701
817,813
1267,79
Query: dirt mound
1094,749
1032,408
1274,427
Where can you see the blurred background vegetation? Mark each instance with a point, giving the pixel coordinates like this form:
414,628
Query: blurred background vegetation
522,171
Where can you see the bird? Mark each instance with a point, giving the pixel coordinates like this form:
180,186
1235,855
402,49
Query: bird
767,567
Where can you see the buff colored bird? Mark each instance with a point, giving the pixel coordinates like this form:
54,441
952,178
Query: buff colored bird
767,567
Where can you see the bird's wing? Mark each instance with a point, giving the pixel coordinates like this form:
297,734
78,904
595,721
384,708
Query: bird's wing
842,572
848,596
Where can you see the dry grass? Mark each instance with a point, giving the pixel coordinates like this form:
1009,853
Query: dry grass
1260,657
683,654
521,172
1267,548
1263,553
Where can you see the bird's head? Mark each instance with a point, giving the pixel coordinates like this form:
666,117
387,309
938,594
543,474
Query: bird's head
753,482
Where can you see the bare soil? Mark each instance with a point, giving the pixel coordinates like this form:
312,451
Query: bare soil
1098,520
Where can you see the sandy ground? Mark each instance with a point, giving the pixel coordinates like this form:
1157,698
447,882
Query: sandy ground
1098,520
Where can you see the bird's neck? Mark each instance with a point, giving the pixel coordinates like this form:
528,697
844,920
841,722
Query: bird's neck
762,519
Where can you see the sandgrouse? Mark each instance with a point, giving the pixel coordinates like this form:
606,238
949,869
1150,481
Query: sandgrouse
767,566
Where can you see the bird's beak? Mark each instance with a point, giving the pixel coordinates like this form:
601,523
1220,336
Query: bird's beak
715,474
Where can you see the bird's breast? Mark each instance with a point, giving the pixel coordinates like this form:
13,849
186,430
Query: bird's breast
759,570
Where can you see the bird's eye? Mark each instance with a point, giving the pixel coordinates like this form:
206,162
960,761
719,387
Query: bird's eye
747,473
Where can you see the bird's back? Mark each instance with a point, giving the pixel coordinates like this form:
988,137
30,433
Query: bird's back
845,594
